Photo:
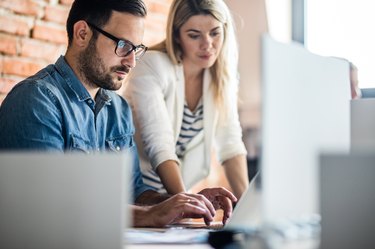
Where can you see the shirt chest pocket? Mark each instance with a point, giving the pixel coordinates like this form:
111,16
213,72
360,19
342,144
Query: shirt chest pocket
79,144
120,143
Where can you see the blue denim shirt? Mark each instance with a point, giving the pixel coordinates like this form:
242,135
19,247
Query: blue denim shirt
53,111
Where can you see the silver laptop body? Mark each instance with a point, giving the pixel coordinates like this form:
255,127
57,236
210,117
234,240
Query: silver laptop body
247,213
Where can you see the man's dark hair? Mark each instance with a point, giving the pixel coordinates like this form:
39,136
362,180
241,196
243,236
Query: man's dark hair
98,12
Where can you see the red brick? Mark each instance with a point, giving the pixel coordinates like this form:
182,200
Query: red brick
50,32
14,24
9,44
26,7
66,2
56,13
41,50
19,66
6,84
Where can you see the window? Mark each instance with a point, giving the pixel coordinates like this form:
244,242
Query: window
343,28
279,19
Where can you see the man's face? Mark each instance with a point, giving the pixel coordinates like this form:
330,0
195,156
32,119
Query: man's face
99,64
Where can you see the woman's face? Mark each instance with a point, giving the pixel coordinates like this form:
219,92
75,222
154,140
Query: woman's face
201,39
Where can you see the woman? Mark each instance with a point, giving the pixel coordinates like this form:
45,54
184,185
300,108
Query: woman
183,94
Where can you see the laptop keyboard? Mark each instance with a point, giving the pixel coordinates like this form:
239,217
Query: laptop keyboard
215,225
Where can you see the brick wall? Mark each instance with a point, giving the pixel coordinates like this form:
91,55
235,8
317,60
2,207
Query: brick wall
32,35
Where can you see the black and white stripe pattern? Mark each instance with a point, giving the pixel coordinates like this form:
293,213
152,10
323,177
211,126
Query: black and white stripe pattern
192,124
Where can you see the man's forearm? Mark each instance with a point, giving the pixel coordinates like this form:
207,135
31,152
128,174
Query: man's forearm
150,197
139,213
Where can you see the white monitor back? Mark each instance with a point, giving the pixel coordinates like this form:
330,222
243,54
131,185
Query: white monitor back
59,201
305,111
362,121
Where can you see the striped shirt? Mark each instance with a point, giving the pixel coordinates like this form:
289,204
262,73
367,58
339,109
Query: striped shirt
192,125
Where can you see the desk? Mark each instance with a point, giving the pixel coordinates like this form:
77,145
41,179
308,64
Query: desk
290,245
251,243
172,246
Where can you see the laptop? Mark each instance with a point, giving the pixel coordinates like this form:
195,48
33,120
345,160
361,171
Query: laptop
53,201
247,213
362,120
347,200
305,110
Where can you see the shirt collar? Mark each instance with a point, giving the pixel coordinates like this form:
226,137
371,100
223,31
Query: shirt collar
76,85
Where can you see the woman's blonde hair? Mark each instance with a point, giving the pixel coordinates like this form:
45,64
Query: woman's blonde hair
224,70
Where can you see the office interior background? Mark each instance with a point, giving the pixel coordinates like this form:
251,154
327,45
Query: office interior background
32,35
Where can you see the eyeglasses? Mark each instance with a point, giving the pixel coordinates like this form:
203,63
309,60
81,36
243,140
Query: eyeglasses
123,47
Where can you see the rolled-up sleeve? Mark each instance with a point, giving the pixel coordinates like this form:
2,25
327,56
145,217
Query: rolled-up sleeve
146,91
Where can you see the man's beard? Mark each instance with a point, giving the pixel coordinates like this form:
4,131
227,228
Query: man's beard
94,71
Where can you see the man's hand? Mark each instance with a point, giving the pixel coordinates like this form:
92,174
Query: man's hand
177,207
220,199
183,205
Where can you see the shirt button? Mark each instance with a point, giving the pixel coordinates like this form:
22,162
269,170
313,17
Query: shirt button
118,148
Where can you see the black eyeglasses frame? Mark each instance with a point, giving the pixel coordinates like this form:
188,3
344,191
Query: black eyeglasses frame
121,43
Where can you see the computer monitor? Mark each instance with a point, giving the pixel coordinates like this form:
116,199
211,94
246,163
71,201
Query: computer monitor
59,201
305,110
368,92
347,200
362,124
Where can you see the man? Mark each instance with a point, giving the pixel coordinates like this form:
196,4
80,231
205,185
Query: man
70,106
